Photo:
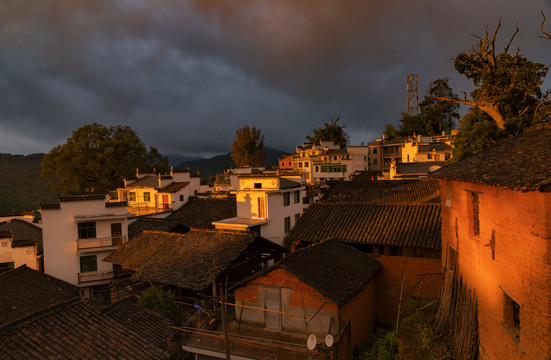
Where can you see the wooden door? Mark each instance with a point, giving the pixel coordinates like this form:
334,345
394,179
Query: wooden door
272,301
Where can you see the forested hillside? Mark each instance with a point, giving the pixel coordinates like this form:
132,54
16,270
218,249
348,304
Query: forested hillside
21,187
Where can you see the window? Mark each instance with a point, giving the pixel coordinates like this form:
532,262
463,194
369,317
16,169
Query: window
286,199
261,208
335,157
408,158
306,164
88,263
436,157
511,315
146,196
299,164
181,197
429,156
86,230
297,196
317,169
476,221
7,266
297,217
116,233
375,162
132,196
447,156
287,224
374,151
258,185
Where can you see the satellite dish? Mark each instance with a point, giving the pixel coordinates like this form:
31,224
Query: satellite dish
312,342
329,340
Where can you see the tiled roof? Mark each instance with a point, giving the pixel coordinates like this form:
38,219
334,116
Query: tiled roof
336,270
384,192
407,225
367,175
77,331
521,163
419,167
201,212
192,260
151,181
174,187
24,233
24,291
83,197
439,146
288,184
142,224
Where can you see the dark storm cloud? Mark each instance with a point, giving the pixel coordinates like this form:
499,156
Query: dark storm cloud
185,75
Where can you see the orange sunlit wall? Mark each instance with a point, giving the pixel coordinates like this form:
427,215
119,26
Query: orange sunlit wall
502,239
286,163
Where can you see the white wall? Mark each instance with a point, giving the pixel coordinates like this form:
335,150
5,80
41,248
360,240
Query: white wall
60,232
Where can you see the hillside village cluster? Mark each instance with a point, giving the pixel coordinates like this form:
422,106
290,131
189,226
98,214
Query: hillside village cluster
297,262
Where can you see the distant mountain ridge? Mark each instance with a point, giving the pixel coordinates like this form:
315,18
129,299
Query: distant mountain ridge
217,164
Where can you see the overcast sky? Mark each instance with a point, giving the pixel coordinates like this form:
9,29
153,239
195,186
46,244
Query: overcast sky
185,74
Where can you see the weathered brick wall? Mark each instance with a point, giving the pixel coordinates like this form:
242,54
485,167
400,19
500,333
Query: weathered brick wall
510,257
293,294
389,282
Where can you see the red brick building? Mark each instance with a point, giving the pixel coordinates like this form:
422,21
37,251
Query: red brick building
496,240
395,222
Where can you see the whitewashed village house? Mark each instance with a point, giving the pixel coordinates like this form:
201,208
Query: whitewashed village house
154,193
78,233
268,204
20,244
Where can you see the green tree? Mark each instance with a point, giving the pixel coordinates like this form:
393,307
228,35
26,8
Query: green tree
154,298
330,132
478,132
98,158
439,115
248,147
390,131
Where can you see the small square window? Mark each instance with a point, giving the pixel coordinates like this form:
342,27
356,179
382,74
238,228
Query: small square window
181,197
86,230
88,263
146,196
258,185
132,196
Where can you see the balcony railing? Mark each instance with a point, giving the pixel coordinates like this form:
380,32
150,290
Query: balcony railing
99,243
94,276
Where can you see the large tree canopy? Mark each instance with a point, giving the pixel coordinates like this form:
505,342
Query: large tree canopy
248,147
98,158
507,87
436,115
330,132
507,91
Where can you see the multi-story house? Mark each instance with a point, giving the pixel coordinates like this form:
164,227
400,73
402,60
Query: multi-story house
327,161
78,233
153,193
20,244
428,148
382,152
496,231
268,204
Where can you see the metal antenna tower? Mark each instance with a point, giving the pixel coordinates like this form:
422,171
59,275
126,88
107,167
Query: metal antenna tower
413,98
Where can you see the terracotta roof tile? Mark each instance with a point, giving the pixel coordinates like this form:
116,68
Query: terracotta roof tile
406,225
24,291
200,213
192,260
336,270
521,163
24,233
384,192
77,331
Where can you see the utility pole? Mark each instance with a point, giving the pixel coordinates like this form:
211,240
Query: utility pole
224,321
